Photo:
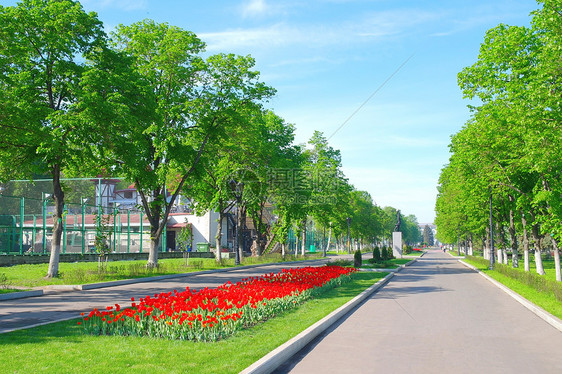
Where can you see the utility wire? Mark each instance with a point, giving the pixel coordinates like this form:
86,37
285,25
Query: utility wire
370,97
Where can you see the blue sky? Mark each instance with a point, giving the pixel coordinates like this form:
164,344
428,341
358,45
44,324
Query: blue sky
326,57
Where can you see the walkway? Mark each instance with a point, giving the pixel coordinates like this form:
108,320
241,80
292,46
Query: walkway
435,316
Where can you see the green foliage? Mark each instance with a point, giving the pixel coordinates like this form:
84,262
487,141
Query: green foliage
428,235
44,45
384,254
508,154
389,253
340,262
4,283
149,104
185,238
389,264
377,254
357,259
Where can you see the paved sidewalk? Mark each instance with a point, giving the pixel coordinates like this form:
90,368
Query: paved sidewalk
60,306
435,316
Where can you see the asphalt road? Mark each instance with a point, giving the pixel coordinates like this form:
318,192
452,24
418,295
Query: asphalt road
435,316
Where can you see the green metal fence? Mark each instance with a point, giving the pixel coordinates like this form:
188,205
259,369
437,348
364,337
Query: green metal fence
26,218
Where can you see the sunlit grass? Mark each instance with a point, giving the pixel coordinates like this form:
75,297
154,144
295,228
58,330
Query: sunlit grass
539,293
63,348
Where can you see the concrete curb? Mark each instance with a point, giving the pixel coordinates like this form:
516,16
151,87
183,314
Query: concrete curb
278,356
20,295
91,286
540,312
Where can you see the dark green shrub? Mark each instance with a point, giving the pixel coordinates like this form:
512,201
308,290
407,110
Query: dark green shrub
377,254
389,253
357,259
384,254
339,262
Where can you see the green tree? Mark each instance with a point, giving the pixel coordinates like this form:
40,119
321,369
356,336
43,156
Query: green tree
428,235
195,99
43,46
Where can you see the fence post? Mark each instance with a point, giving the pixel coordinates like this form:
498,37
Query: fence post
83,225
44,224
141,230
22,213
34,233
128,230
64,214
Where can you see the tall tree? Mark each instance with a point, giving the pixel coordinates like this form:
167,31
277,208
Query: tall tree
194,100
43,46
428,235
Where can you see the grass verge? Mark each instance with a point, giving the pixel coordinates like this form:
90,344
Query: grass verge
63,348
9,290
545,299
414,254
389,264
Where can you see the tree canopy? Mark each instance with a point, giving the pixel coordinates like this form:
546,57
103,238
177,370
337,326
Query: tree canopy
147,103
509,151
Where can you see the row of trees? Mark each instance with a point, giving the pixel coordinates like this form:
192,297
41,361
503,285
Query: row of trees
145,104
508,155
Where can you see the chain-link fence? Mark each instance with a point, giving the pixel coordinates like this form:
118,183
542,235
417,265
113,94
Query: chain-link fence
95,208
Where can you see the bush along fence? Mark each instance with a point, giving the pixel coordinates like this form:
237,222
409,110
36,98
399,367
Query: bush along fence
213,314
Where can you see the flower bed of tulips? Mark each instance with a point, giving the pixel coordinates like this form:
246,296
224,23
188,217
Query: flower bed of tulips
213,314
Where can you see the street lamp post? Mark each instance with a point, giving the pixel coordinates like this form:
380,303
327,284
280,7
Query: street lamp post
348,235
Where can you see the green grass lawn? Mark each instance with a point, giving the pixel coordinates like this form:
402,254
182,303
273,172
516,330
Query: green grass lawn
545,300
63,348
8,290
455,253
414,254
88,272
389,264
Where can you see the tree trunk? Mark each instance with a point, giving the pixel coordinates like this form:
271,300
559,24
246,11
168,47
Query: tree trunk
329,239
557,261
538,261
487,245
153,251
58,197
218,236
537,241
525,244
513,238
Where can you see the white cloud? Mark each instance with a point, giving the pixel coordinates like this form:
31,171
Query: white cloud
374,26
254,7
